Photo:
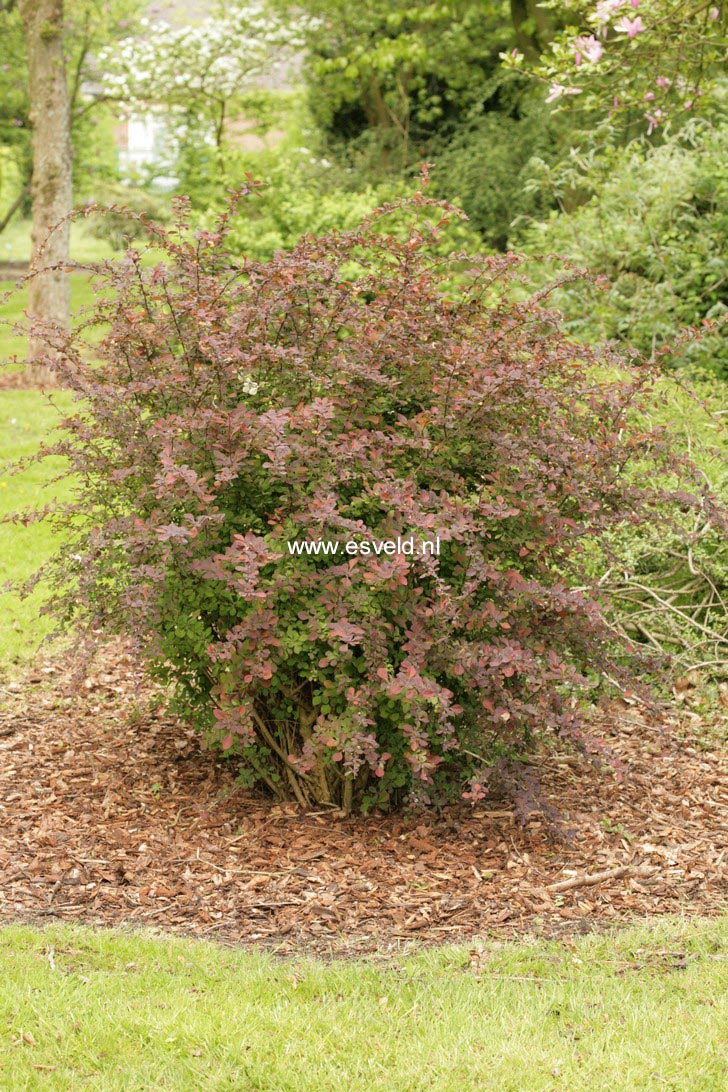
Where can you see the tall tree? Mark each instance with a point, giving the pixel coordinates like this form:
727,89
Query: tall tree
200,76
52,186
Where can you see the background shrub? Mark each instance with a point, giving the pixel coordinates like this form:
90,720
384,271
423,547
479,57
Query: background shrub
306,195
667,588
485,165
656,226
361,386
115,226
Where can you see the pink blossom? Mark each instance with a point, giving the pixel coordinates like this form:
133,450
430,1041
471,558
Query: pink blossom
606,9
635,3
577,59
662,81
630,27
714,13
650,95
589,47
653,121
557,90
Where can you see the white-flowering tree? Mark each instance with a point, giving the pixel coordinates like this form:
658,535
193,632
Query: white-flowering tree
201,73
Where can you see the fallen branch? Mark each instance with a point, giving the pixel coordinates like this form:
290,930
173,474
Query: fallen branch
599,877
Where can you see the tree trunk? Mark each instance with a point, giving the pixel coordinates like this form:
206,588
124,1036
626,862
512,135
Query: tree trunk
52,191
533,27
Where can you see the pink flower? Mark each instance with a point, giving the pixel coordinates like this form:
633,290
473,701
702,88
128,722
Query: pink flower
662,81
589,48
606,9
653,121
630,27
650,95
635,3
557,90
577,59
713,13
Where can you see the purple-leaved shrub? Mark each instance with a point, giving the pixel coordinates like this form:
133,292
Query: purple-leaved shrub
360,386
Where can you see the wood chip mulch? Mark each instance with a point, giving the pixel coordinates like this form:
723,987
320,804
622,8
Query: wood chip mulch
111,813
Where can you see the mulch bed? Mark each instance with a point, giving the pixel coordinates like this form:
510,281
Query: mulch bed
111,813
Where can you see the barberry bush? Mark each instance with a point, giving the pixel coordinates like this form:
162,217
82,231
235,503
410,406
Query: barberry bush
363,388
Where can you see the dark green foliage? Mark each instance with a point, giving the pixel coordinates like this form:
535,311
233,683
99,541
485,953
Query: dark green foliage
395,74
484,166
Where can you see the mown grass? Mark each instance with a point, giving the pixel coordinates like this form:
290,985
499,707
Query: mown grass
13,301
642,1009
26,418
15,247
85,246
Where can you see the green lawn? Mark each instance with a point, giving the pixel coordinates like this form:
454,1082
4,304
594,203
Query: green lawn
26,418
14,344
85,247
642,1009
15,246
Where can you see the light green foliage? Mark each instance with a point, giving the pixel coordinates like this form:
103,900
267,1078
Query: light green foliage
641,1009
299,199
656,225
10,177
114,225
96,155
668,595
14,128
295,205
206,171
304,192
